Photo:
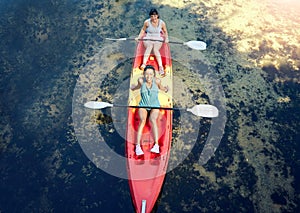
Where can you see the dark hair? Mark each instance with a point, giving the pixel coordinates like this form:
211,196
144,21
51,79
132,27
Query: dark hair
153,11
150,67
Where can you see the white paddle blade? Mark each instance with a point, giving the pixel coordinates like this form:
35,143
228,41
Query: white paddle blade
97,105
204,110
197,45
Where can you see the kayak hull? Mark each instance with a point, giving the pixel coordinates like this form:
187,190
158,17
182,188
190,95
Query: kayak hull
146,173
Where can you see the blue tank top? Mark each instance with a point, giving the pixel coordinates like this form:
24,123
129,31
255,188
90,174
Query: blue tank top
149,96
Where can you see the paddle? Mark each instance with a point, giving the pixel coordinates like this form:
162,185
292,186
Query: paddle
203,110
196,45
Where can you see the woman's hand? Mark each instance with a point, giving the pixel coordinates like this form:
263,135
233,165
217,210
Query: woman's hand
133,86
166,89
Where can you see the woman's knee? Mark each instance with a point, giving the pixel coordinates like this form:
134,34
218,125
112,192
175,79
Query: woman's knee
153,120
156,51
143,121
153,117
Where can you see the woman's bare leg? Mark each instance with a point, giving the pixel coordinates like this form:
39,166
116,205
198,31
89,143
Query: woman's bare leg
153,119
156,48
143,117
148,45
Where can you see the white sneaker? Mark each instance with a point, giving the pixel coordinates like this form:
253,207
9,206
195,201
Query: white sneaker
155,148
138,150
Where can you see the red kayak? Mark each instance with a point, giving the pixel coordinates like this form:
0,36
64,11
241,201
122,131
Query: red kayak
146,172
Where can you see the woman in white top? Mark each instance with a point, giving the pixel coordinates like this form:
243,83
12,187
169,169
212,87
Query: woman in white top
153,28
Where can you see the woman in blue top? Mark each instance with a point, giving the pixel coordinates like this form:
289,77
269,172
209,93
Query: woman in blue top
153,28
150,87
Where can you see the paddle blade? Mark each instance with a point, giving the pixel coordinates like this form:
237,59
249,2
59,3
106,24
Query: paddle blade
204,110
196,45
97,105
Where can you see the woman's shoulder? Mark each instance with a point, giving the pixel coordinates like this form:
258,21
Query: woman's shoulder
141,80
161,21
146,22
157,81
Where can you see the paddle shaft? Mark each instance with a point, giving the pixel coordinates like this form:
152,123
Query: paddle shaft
196,45
171,42
202,110
147,107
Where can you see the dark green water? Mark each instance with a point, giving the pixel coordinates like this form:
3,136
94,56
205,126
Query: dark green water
44,47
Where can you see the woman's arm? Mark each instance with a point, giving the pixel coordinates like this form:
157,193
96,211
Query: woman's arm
138,85
143,30
160,86
164,29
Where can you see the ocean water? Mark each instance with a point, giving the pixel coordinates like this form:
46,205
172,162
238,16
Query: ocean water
46,46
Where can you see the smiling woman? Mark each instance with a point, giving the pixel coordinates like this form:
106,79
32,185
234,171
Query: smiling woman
149,86
153,29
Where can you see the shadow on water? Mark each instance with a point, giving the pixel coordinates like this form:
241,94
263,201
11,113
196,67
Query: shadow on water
45,44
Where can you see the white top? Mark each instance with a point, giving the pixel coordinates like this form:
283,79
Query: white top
154,32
